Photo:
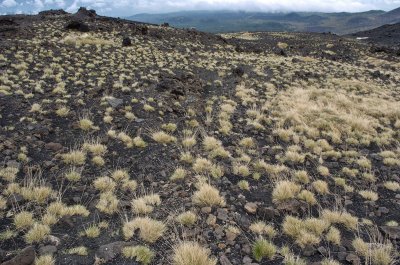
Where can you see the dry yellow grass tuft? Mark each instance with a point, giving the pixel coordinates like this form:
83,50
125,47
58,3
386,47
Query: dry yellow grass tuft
150,230
190,253
285,190
207,195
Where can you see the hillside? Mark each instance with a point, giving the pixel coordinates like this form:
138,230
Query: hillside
131,143
387,35
231,21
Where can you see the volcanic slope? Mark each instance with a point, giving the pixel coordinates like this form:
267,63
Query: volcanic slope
139,144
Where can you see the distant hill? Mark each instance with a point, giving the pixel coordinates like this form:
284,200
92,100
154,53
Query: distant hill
233,21
387,35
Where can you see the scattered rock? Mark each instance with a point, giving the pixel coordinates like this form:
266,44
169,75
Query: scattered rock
309,250
24,257
293,206
126,42
206,209
266,213
238,71
53,146
224,260
353,259
110,251
47,250
392,232
83,13
55,241
77,25
53,12
211,219
342,255
222,214
322,251
114,102
230,236
251,207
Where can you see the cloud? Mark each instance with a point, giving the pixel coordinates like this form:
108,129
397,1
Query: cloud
38,4
130,7
8,3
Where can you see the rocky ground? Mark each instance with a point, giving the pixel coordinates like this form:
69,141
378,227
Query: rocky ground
126,143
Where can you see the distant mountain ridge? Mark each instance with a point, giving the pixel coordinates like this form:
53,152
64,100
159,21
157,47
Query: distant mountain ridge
233,21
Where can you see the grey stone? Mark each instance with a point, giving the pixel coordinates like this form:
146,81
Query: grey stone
353,259
392,232
251,207
24,257
114,102
222,214
224,260
47,250
110,251
309,251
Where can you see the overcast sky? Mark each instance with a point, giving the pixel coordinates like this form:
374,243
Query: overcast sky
130,7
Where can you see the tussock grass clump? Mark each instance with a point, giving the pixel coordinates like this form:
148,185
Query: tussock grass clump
120,175
86,124
285,190
340,217
163,137
243,185
301,176
369,195
329,262
104,184
187,218
263,249
376,253
291,259
241,169
37,233
321,186
323,171
92,231
45,260
169,127
9,173
179,173
207,195
333,236
23,220
75,157
94,147
80,251
73,174
262,228
150,230
98,161
205,166
307,196
144,205
305,232
142,254
39,194
62,111
190,253
108,203
392,185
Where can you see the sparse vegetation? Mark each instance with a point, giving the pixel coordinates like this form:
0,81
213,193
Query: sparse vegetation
223,145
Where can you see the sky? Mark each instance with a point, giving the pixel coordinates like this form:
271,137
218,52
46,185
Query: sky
130,7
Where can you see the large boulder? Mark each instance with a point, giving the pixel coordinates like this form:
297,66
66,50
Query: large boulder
83,13
24,257
77,25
